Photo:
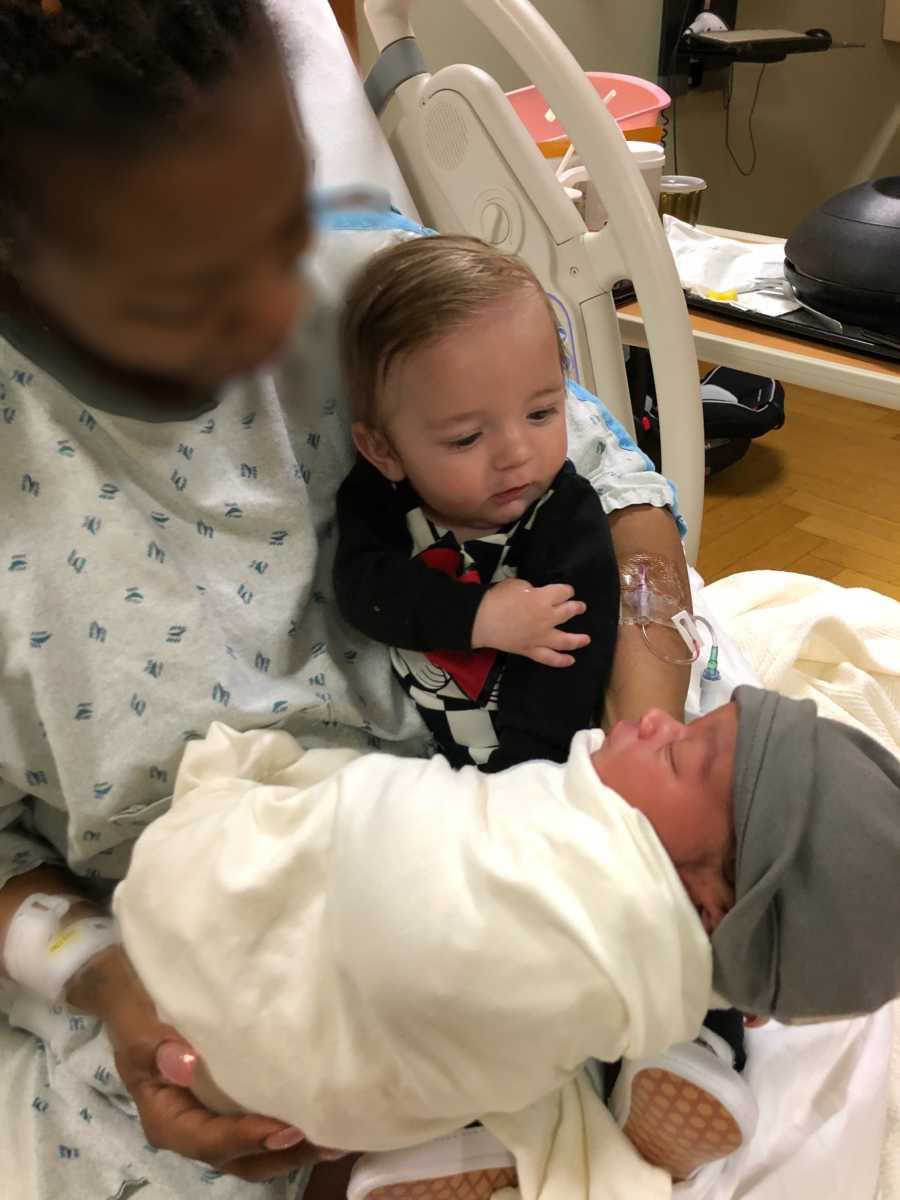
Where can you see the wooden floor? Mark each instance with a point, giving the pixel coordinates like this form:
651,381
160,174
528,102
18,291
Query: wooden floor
821,496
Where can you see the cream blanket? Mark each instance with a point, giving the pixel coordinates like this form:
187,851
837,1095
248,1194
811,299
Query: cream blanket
380,950
806,637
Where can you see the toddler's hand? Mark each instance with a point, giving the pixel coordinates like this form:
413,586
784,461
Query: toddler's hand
521,619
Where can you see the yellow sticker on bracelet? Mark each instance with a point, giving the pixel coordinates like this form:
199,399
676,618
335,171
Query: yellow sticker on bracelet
62,939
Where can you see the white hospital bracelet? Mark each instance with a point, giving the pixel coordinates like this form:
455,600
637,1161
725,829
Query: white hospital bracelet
42,957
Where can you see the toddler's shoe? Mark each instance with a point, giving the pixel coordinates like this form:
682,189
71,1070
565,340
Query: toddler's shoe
685,1108
467,1165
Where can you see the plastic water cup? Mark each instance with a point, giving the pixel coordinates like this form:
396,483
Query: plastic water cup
648,158
680,196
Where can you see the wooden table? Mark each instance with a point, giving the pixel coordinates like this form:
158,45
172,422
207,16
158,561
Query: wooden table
789,359
729,343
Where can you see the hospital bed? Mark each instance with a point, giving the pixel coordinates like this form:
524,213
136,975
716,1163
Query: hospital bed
821,1090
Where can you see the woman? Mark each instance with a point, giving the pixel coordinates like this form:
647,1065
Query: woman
168,509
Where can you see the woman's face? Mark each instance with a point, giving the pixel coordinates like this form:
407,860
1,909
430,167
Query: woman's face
183,264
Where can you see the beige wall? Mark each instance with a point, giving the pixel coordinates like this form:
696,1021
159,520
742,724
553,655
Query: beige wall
823,121
604,35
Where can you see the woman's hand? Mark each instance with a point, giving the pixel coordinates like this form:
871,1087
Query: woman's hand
521,619
156,1065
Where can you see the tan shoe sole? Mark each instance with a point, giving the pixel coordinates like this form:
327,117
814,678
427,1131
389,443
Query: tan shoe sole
470,1185
677,1126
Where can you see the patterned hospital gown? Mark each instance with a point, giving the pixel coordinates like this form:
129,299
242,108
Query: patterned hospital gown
157,576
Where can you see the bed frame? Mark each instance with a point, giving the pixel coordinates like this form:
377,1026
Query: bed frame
472,167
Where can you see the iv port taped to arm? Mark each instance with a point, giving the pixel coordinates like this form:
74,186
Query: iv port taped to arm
652,593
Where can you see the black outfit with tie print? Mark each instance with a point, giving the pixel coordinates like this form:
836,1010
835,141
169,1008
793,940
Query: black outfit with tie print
426,601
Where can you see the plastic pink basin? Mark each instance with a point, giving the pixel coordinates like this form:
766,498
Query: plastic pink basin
636,104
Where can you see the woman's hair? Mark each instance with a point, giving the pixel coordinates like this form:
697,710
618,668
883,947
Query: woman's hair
103,75
416,292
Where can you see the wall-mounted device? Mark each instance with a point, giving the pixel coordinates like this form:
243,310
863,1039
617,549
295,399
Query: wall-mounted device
698,36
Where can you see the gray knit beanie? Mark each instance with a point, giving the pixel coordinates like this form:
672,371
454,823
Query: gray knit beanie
815,930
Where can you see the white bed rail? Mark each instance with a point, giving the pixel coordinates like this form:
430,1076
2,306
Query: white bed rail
472,166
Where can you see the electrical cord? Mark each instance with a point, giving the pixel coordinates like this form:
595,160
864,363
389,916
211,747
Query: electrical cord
667,121
729,93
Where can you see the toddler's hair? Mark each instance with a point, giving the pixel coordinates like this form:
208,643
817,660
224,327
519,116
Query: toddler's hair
416,292
102,75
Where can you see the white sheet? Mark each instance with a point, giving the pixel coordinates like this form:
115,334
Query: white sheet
807,637
348,147
889,1180
822,1091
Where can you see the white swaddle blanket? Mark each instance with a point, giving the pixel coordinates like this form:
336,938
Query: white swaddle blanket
384,952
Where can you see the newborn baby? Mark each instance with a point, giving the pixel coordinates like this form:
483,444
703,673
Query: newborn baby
380,951
680,777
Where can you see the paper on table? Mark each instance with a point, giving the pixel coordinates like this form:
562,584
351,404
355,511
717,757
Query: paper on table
709,263
765,303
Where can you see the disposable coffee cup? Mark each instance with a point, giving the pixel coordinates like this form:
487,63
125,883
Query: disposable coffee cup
680,196
648,157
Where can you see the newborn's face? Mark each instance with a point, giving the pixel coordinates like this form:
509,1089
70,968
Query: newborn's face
680,777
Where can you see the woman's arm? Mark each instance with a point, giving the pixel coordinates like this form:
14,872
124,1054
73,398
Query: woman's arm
640,680
637,500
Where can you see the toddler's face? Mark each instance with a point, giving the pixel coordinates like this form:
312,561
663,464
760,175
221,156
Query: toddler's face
476,420
681,778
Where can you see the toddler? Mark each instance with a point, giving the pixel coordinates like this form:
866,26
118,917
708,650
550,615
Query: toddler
467,541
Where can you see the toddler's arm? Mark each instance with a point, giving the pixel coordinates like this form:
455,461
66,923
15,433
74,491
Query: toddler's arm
540,710
401,601
382,591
